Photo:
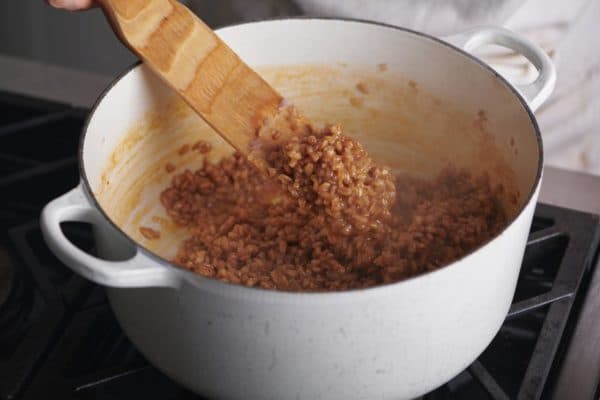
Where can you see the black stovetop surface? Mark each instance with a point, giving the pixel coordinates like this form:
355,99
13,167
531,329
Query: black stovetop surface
59,338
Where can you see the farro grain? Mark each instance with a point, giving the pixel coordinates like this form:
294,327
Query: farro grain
184,149
169,167
325,216
202,147
149,233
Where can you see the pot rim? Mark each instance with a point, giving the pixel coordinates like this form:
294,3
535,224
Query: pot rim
329,294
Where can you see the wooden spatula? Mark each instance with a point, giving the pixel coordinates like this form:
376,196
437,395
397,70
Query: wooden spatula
190,57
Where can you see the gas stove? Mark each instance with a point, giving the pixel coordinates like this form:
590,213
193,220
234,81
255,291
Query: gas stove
59,338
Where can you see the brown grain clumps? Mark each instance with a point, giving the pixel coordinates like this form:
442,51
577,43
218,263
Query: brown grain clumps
331,225
245,230
333,174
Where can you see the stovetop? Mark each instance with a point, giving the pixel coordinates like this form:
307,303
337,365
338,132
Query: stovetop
59,338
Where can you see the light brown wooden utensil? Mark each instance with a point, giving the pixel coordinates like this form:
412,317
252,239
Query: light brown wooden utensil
190,57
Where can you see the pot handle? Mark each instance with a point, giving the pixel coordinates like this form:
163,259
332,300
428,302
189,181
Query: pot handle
537,92
137,271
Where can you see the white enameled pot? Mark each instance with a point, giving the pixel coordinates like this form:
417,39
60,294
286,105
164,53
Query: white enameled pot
429,103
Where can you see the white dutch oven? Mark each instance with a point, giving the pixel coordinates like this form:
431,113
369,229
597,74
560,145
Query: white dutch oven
429,104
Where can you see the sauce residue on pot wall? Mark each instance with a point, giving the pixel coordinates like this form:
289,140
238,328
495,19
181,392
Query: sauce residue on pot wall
399,124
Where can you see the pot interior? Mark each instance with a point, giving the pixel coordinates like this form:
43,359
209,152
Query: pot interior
421,106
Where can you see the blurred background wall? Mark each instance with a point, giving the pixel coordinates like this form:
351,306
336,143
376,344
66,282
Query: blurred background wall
33,30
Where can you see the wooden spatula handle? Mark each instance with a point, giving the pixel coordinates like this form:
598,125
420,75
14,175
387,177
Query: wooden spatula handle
188,55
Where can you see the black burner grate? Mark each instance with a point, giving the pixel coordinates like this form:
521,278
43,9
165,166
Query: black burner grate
59,338
528,349
33,314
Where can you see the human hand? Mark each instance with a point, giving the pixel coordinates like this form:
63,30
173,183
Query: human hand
72,5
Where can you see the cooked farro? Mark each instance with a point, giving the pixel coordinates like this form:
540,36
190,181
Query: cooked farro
325,217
